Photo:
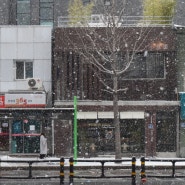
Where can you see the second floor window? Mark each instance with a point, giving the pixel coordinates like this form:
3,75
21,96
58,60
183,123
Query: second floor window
23,12
150,66
24,69
46,12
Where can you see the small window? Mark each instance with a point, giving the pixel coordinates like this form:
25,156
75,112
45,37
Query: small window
46,12
23,12
24,69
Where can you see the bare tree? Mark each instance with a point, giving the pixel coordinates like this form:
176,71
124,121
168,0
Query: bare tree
109,50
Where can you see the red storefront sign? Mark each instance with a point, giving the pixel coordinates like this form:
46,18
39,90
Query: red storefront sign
25,100
2,101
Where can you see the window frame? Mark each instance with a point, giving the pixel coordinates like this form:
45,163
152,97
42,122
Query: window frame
24,66
147,71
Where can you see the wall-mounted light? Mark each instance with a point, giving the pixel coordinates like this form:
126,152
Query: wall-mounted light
159,45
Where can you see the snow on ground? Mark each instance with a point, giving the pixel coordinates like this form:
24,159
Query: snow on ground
54,161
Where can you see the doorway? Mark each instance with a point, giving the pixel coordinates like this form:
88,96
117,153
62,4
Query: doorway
25,137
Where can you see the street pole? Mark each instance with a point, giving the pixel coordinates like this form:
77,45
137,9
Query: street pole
75,128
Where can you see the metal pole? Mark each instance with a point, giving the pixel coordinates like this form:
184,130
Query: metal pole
75,128
61,171
133,171
143,175
71,171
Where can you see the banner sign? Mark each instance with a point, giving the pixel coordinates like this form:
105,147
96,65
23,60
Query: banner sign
2,105
25,100
182,103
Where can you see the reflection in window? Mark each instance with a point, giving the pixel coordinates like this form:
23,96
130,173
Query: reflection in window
99,137
150,66
24,69
46,12
23,12
166,131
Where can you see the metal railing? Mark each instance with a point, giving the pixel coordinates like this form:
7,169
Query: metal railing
125,21
29,168
146,170
102,173
71,169
171,167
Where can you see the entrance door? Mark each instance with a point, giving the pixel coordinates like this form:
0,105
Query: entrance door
25,136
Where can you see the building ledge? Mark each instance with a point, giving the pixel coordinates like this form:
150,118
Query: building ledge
59,103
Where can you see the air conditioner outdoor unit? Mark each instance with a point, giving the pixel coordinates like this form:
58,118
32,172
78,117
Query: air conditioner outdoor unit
34,83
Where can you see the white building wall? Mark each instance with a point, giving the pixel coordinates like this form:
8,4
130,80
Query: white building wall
25,42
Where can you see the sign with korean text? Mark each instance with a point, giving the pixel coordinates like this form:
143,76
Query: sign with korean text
25,100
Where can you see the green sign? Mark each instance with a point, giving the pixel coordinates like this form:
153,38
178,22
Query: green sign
182,103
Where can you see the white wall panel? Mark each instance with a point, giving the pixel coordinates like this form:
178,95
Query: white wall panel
8,50
42,34
25,34
42,51
8,34
25,51
45,65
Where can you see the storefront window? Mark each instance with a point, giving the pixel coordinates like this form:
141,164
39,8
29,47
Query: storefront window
98,136
132,135
25,136
166,131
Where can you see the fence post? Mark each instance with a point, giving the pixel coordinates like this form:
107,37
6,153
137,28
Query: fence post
173,168
133,171
61,171
30,169
71,171
143,175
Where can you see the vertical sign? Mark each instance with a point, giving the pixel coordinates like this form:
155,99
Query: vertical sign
2,103
75,128
182,103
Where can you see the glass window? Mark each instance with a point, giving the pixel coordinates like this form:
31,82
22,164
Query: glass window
24,69
150,66
25,136
23,12
99,136
166,132
46,12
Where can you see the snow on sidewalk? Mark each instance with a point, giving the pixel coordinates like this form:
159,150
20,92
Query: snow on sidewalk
54,161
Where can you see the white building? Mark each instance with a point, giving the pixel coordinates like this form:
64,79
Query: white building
25,52
25,87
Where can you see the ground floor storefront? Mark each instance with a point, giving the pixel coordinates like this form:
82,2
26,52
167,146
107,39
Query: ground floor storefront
20,129
138,135
146,128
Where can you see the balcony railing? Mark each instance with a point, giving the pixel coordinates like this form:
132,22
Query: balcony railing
125,21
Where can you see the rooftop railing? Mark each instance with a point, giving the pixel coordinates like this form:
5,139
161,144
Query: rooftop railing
125,21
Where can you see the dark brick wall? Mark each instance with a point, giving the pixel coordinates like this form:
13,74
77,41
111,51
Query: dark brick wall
71,75
63,138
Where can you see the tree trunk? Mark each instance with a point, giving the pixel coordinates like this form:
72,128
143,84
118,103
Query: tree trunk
116,120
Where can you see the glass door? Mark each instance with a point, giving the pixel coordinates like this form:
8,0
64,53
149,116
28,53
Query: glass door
25,136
